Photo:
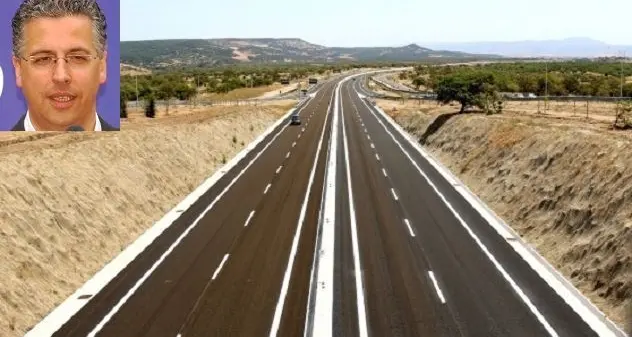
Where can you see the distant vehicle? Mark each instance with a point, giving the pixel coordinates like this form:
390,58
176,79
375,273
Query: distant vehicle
313,81
285,81
295,120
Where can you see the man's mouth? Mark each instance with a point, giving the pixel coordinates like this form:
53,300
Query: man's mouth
62,101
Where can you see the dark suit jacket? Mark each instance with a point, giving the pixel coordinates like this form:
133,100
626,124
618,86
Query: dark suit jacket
19,126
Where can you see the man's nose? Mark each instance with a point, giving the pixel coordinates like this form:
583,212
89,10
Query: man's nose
60,71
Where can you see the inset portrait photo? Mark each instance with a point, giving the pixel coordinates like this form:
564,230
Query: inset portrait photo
59,65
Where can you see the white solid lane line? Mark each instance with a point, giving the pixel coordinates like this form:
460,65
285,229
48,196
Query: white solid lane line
436,285
267,188
220,267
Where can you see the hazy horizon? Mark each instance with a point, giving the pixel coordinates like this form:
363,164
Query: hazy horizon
334,23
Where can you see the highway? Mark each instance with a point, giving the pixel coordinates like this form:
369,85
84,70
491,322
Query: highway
336,227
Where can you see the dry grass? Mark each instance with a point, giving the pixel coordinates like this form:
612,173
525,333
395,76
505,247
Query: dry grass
242,55
598,112
284,89
243,93
57,227
128,69
561,182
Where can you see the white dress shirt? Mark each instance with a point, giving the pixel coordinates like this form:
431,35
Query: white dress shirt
28,125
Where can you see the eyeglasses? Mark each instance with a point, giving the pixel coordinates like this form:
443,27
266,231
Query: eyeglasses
75,61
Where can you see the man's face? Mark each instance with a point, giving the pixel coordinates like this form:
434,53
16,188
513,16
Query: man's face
62,93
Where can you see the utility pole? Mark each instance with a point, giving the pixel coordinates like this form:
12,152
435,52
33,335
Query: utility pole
546,85
197,85
621,89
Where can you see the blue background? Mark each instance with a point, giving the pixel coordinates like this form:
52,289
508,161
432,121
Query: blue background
13,104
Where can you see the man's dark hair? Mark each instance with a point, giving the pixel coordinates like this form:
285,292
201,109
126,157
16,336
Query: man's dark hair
34,9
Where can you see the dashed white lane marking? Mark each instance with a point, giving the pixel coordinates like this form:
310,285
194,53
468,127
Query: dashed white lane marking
489,255
146,275
294,144
252,213
368,137
410,229
377,156
303,130
279,169
436,285
267,188
299,135
372,146
365,130
384,171
394,195
278,311
220,267
287,155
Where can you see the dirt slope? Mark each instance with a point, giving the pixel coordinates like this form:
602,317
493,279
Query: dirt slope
71,202
564,184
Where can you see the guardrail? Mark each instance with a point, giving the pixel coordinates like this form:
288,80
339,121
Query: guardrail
392,88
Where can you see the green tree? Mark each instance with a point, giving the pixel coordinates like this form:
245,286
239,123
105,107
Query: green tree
469,89
419,81
527,83
627,90
123,107
165,92
572,84
150,108
184,92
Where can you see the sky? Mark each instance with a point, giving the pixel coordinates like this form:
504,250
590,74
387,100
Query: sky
345,23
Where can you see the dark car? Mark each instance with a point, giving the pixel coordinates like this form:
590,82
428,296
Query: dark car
295,120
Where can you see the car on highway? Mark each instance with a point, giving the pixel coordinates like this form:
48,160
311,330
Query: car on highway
295,120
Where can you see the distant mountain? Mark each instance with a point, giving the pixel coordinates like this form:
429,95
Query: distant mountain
571,47
214,52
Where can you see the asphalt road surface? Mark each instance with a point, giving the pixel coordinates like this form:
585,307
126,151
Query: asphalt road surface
408,254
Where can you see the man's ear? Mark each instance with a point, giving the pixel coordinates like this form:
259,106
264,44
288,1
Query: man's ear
103,68
18,71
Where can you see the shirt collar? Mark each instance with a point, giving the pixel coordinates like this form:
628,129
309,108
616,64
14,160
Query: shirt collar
28,125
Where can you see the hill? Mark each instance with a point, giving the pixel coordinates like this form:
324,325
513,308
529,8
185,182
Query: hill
217,52
571,47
